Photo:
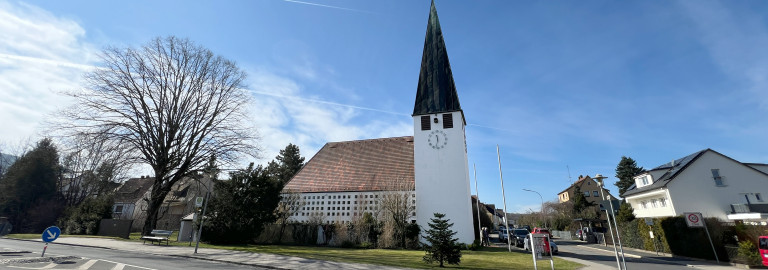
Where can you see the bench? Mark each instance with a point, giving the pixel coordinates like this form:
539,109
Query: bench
158,236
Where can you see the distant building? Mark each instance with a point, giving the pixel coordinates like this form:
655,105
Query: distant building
347,176
131,200
707,182
588,186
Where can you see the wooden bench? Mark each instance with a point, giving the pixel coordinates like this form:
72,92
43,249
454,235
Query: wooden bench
158,236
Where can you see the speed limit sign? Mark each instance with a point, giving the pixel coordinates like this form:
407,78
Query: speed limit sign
694,220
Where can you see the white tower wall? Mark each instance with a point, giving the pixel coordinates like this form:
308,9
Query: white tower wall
442,176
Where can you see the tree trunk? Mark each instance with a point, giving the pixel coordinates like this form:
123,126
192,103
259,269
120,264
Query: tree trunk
153,207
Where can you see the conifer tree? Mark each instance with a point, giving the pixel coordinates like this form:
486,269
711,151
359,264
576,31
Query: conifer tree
442,246
625,172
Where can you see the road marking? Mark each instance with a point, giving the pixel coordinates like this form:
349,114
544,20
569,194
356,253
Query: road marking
87,264
134,266
119,266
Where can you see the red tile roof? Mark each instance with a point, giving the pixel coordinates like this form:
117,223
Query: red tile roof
364,165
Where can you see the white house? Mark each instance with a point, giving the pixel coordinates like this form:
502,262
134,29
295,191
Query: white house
707,182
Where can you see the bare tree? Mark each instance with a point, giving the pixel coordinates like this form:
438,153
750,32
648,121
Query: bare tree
172,102
91,167
398,207
290,203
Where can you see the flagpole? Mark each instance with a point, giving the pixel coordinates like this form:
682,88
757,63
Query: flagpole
477,204
504,197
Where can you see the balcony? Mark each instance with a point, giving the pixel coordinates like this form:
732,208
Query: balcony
749,208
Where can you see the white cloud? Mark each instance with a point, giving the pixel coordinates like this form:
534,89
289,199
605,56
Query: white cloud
40,55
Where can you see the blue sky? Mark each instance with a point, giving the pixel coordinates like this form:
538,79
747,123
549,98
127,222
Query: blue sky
556,84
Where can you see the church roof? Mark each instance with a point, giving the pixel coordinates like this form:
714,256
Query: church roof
364,165
436,92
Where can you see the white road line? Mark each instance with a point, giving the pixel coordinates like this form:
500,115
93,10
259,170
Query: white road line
134,266
87,264
119,266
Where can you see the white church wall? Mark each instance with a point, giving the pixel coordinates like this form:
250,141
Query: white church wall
340,207
442,174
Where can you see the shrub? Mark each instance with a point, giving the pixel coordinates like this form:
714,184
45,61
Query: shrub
748,253
85,217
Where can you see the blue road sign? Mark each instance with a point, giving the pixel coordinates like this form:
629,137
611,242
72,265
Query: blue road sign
50,234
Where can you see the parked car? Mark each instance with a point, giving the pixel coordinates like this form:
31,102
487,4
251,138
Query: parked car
762,246
503,235
520,235
580,234
542,230
527,245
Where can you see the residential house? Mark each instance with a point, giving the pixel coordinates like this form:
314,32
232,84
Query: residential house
127,196
588,186
707,182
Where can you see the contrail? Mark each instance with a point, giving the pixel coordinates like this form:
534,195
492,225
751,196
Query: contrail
328,103
88,67
328,6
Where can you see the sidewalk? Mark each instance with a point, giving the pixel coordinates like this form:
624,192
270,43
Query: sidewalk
228,256
642,254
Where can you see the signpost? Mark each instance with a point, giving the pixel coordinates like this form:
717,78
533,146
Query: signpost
49,235
695,220
540,243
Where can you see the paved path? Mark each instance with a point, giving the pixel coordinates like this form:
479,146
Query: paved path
219,255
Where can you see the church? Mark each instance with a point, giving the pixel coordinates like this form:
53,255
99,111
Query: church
344,180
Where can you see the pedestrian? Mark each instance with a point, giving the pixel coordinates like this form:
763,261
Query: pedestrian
485,241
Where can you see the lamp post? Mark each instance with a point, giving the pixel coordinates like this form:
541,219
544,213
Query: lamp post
599,178
542,206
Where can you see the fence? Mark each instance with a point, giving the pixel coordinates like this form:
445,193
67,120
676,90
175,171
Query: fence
564,235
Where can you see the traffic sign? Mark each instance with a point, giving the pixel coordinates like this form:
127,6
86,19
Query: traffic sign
199,202
694,220
50,234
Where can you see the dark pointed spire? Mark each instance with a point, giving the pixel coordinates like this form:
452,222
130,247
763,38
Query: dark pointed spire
436,91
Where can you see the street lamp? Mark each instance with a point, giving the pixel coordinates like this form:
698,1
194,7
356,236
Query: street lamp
542,206
599,178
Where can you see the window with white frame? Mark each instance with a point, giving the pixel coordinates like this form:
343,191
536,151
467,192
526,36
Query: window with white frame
586,193
644,204
594,193
645,180
655,203
663,202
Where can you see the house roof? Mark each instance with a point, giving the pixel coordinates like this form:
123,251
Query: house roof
364,165
436,91
673,169
579,182
133,189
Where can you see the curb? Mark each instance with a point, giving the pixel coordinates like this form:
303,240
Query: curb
65,244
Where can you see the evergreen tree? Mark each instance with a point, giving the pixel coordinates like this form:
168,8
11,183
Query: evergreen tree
241,206
286,164
28,189
626,213
579,201
625,172
442,246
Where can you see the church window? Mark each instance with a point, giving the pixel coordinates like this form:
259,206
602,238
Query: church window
448,120
425,125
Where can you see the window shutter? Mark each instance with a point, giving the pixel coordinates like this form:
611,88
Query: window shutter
425,125
448,120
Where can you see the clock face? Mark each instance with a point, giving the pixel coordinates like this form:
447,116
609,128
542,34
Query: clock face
437,139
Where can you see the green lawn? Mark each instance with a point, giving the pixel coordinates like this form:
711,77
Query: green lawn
487,258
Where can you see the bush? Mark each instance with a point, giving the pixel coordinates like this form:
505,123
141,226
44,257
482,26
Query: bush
748,253
85,217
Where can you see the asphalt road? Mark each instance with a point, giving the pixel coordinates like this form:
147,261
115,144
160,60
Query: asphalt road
572,249
100,259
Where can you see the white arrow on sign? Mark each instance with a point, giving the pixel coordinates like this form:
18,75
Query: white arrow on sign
51,235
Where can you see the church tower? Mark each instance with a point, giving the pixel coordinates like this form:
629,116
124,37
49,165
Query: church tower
440,145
